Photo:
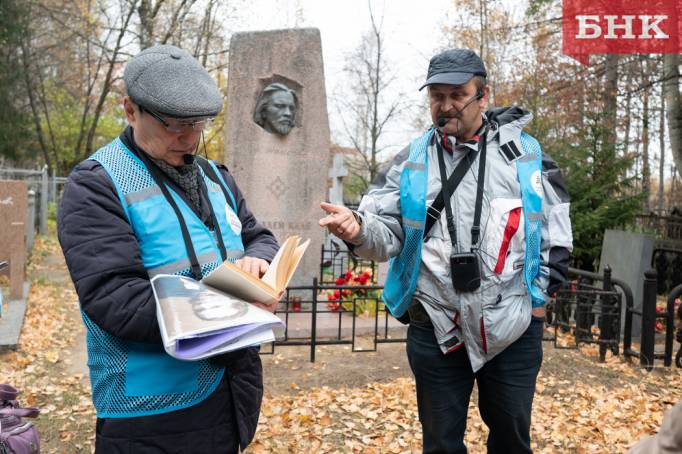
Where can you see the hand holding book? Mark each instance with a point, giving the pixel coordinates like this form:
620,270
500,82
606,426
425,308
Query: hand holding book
256,267
253,265
213,316
269,289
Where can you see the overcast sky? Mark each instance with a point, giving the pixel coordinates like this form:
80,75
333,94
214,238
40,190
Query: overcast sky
412,31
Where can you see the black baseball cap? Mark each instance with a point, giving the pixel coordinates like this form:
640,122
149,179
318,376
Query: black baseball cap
454,67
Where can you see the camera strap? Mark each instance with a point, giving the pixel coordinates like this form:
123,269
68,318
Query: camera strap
448,189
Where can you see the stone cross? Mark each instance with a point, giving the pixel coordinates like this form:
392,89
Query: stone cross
336,173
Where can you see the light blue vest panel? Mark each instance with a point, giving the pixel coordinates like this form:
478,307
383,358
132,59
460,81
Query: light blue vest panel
529,169
135,379
403,270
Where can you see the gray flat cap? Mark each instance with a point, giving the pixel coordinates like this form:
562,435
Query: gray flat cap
454,67
168,80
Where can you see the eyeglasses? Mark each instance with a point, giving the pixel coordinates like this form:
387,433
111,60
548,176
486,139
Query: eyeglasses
175,126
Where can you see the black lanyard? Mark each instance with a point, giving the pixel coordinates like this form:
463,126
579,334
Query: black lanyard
450,185
159,179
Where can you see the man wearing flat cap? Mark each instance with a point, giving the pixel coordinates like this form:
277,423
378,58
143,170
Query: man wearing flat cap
472,260
145,205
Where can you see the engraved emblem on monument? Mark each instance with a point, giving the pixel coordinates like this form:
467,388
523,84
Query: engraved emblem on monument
277,187
276,109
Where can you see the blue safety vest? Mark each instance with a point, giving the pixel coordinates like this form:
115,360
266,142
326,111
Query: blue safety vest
136,379
403,270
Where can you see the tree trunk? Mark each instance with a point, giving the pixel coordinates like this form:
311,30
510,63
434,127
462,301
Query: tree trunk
610,123
628,117
661,165
106,83
671,89
26,58
646,173
610,98
147,14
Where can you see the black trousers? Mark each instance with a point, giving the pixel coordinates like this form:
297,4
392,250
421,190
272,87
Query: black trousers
208,427
506,387
219,424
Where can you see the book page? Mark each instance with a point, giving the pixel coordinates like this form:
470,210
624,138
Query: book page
285,263
235,281
296,256
280,261
263,334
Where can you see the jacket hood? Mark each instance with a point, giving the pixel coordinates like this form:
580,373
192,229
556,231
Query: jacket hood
507,115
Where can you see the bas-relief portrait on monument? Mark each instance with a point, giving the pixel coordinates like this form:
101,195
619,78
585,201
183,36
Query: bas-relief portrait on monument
276,109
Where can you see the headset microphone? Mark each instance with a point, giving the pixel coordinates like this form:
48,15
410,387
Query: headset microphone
443,120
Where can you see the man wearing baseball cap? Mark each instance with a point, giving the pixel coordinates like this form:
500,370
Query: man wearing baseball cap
144,205
472,260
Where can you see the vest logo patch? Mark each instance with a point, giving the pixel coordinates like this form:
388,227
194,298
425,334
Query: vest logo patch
233,220
536,182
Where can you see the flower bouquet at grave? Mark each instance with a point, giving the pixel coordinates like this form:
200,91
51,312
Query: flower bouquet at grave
661,308
366,301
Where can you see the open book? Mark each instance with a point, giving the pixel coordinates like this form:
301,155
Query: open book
202,319
237,282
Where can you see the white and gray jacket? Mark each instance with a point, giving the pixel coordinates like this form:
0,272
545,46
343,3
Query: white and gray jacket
496,314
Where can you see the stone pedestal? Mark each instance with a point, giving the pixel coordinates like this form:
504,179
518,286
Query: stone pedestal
282,170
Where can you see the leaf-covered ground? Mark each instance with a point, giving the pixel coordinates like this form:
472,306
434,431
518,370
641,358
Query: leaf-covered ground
368,404
589,415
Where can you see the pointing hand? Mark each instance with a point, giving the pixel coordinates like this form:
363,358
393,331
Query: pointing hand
340,221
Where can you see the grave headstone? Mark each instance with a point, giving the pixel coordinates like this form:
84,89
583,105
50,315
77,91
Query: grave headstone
277,135
629,255
13,213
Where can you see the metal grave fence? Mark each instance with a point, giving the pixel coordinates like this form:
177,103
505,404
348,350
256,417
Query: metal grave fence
312,319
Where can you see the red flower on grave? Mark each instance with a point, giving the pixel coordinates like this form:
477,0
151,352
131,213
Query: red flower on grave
340,281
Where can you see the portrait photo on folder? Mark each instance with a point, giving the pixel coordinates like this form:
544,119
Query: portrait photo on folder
199,319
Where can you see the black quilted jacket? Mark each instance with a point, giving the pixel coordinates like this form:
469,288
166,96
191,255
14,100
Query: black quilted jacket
104,260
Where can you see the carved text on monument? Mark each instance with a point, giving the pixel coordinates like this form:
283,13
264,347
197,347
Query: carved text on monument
296,226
